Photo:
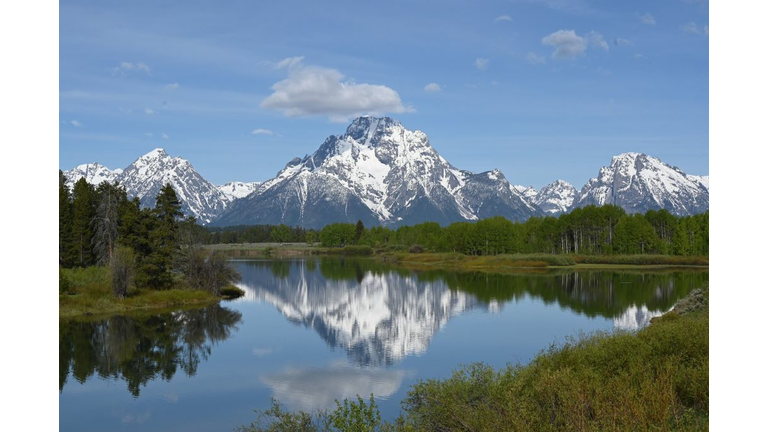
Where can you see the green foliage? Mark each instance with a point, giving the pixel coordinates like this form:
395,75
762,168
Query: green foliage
83,212
64,286
357,250
230,292
337,235
355,416
280,234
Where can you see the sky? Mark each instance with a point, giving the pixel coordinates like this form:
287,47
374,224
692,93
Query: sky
540,89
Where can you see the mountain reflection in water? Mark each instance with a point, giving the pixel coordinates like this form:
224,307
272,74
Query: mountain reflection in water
380,315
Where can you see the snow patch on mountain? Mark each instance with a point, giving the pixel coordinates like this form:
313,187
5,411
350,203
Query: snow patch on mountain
236,189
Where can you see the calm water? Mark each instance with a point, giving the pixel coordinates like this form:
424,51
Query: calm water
310,331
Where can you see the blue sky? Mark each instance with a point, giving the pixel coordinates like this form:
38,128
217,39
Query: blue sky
540,89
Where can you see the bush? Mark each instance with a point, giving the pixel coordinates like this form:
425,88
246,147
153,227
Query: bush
207,270
122,265
357,250
417,248
64,286
231,292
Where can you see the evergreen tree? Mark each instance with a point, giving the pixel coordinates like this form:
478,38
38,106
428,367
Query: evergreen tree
359,230
66,246
83,212
163,239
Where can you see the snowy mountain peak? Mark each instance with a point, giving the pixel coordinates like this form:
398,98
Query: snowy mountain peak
381,173
638,183
236,190
556,198
94,173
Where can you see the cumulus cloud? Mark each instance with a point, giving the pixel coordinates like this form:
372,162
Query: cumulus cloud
125,67
502,18
149,111
313,90
174,86
693,28
597,40
262,132
567,44
432,87
76,123
481,63
535,59
648,19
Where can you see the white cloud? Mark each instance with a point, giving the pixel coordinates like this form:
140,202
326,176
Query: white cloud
76,123
502,18
313,90
149,134
639,56
567,44
622,42
174,86
289,62
536,59
165,136
648,19
481,63
262,132
149,111
124,67
432,87
596,40
693,28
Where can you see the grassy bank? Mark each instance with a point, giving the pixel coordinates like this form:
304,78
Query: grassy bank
89,293
654,379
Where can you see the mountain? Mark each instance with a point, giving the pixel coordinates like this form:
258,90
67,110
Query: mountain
235,190
148,174
93,173
528,192
381,173
638,183
555,198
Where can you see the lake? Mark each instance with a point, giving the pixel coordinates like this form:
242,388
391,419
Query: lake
313,330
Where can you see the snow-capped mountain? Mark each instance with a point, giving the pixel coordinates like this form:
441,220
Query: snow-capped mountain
148,174
235,190
93,173
381,173
555,198
638,183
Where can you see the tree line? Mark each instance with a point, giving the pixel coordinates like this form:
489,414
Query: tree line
590,230
146,247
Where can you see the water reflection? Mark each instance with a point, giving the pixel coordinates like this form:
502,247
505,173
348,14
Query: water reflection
318,388
138,349
380,315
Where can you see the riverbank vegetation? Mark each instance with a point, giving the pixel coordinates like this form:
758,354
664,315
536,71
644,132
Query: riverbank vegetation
653,379
115,255
606,230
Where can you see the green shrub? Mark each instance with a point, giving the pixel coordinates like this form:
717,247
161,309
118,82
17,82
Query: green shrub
64,286
231,292
417,248
357,250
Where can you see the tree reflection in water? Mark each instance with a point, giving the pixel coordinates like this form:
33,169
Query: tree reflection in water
140,348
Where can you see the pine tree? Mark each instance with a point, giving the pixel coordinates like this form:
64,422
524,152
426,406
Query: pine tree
66,247
164,238
359,230
83,211
105,222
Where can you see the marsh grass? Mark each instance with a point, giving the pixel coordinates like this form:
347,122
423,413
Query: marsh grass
92,295
642,260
